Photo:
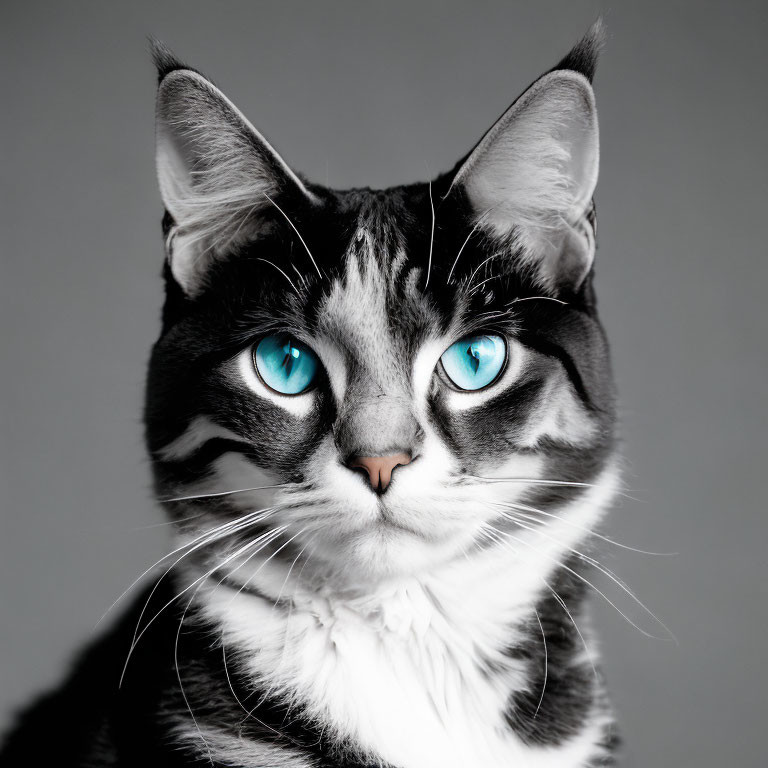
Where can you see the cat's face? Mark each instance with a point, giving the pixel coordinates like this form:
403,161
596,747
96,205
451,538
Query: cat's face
387,370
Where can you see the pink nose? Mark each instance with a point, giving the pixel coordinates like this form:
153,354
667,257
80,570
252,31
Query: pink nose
379,468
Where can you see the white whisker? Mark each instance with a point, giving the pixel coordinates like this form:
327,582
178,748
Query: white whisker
537,481
532,481
534,298
203,536
290,609
209,537
559,601
272,264
562,604
137,637
483,282
456,260
526,508
181,684
223,493
478,268
480,220
306,247
249,713
581,578
301,277
255,573
546,662
431,237
598,566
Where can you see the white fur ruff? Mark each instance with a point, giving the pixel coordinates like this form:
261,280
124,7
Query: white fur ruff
399,671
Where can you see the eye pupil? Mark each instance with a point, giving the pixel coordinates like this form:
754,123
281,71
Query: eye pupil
474,357
292,354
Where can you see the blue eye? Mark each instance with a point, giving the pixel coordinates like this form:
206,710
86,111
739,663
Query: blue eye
285,365
474,361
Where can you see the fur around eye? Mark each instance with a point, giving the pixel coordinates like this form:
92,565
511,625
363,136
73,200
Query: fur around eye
475,362
285,365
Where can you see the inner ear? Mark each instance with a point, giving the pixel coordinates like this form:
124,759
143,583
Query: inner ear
531,179
217,176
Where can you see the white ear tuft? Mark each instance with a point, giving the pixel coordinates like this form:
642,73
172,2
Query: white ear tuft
216,174
532,176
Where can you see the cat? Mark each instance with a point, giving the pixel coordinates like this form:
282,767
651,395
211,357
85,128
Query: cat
383,424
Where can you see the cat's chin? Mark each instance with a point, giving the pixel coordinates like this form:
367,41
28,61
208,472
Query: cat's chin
387,549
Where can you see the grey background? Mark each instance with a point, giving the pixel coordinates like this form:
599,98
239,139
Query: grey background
381,93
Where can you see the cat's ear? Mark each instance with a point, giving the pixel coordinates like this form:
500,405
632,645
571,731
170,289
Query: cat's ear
217,173
532,176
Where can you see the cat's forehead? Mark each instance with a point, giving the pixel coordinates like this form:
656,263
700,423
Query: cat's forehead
379,225
375,302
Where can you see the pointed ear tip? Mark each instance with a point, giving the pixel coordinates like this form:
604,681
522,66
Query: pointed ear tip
164,58
582,58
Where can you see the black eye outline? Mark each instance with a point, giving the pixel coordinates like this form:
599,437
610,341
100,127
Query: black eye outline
446,379
319,373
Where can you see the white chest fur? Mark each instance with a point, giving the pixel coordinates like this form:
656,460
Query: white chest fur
402,673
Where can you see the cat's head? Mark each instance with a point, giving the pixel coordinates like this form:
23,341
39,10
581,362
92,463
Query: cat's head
387,370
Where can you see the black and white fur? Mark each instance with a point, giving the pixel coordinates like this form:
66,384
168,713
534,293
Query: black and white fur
304,620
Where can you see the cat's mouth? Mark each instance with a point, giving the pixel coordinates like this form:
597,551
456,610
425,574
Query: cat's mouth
387,520
393,519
